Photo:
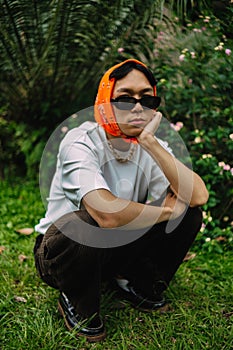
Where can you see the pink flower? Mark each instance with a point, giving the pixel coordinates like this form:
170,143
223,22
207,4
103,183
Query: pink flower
222,164
193,55
177,126
182,57
120,50
160,35
190,81
228,52
64,129
226,167
203,226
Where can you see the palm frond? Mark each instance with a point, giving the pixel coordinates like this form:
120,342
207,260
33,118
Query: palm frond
52,50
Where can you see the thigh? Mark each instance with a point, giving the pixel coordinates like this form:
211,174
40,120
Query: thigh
159,248
50,251
59,258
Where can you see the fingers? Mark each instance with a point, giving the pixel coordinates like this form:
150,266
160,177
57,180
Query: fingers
153,125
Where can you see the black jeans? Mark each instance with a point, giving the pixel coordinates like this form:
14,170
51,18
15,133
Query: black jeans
78,270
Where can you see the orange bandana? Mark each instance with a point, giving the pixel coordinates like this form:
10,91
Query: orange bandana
103,111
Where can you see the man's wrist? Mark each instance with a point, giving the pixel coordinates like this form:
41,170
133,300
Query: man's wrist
167,213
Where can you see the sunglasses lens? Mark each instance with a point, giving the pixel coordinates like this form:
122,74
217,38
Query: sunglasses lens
127,103
151,102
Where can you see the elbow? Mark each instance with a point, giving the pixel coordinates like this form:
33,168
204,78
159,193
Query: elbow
108,221
204,197
201,199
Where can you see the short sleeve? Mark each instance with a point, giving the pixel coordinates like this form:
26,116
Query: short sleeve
81,171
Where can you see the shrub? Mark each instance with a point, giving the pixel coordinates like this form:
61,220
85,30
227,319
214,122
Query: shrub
196,81
52,54
11,158
193,65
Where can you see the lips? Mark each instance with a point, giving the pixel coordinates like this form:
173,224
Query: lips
137,121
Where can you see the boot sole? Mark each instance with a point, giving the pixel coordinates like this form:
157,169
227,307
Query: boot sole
90,338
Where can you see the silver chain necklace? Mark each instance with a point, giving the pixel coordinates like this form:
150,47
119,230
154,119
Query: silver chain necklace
118,157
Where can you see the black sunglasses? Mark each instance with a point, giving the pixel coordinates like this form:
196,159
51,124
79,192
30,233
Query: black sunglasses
126,102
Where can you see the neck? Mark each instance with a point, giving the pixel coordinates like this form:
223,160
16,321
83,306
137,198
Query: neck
118,142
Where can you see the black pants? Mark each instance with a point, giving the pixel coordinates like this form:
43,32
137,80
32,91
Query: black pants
78,270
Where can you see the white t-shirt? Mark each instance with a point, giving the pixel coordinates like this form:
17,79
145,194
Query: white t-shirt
86,163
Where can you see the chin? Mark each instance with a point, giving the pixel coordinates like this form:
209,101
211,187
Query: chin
132,131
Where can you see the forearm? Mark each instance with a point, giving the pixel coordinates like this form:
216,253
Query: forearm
111,212
137,216
186,184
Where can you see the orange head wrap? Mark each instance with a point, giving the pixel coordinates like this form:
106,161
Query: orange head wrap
103,111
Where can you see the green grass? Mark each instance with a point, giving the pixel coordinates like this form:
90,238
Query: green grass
201,304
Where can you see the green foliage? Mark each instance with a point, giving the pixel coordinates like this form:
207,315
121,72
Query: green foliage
191,9
201,86
52,55
53,52
193,65
10,155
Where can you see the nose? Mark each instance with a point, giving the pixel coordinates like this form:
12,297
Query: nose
137,108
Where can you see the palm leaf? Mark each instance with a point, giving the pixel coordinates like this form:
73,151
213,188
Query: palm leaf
53,52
